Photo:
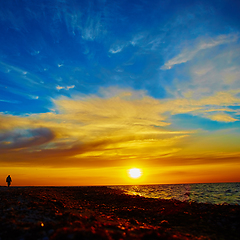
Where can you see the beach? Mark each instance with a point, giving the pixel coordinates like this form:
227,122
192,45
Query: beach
57,213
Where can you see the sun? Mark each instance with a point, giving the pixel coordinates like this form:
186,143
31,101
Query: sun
134,172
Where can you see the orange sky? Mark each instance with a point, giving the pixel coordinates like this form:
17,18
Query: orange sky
94,141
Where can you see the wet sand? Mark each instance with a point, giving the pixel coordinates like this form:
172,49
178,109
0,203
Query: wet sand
54,213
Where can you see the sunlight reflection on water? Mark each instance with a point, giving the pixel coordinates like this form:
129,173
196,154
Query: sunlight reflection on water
216,193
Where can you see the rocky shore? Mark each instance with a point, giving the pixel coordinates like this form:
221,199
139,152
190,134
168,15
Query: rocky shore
59,213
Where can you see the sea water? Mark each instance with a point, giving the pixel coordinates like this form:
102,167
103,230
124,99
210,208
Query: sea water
215,193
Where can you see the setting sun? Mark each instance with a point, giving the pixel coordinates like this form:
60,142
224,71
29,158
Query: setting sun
135,172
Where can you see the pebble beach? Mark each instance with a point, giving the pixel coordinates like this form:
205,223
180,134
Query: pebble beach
58,213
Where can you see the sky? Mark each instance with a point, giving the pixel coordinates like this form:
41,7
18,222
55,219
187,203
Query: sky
90,89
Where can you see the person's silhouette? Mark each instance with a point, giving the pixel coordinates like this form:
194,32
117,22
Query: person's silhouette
8,180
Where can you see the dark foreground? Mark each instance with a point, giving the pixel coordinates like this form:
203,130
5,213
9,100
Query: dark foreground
54,213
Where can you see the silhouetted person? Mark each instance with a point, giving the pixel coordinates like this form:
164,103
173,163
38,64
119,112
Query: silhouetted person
8,180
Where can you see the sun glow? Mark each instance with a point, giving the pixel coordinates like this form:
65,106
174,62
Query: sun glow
134,172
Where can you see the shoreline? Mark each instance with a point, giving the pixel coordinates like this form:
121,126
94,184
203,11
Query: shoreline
54,213
206,193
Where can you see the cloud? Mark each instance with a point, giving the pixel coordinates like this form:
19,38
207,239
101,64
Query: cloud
213,76
147,42
116,49
136,39
107,129
21,82
222,117
189,53
92,26
91,30
203,106
9,101
59,88
8,122
65,88
19,139
34,97
69,87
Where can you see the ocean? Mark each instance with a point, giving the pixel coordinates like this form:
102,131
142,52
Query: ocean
215,193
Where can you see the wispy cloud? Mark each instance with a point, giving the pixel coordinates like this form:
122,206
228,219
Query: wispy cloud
18,72
17,91
205,106
222,117
136,39
92,30
33,97
189,53
213,73
65,88
124,124
92,27
9,101
116,49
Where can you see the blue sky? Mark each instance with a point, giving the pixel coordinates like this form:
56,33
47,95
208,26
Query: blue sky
167,67
50,49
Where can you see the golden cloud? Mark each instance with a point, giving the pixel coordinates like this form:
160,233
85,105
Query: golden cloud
222,117
105,130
